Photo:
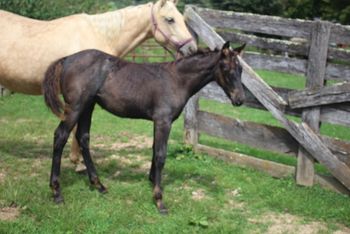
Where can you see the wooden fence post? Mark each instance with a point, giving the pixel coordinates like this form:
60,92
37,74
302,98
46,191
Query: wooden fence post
315,80
190,121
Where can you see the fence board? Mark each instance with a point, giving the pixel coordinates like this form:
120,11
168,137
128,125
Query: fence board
276,63
262,136
284,46
327,95
337,72
281,46
271,25
191,121
340,34
335,114
257,135
315,79
272,168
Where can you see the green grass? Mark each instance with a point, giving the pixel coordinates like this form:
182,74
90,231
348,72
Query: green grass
236,200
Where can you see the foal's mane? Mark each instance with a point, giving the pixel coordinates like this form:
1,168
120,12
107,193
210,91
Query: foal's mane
199,52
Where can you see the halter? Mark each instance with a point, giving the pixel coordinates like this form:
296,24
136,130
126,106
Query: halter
178,44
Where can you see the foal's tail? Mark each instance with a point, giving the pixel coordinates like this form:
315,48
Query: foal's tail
51,88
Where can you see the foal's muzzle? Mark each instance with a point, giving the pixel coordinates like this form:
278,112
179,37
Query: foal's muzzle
237,98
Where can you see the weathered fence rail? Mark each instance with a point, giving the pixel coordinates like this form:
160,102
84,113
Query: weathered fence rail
313,57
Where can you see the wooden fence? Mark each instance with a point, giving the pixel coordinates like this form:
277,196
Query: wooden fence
313,57
149,51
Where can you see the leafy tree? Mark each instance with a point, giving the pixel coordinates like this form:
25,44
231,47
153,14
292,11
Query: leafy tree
48,9
266,7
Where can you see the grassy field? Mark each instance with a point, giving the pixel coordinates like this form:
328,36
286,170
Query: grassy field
203,195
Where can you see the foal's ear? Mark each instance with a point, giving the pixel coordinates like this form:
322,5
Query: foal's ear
226,45
239,50
175,1
226,48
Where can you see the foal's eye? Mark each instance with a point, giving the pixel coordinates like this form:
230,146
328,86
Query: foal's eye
169,20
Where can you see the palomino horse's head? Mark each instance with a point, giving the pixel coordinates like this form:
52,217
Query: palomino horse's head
229,74
169,28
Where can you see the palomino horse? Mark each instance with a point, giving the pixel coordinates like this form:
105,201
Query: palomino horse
28,46
156,92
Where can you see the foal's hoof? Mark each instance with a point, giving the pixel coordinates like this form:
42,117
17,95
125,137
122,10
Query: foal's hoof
163,211
102,189
58,199
161,208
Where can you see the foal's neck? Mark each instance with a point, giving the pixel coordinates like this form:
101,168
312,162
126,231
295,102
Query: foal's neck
124,29
198,72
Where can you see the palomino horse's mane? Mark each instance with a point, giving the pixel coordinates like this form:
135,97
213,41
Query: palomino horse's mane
102,22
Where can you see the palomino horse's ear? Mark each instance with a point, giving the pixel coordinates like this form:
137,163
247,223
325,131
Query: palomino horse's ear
239,50
162,2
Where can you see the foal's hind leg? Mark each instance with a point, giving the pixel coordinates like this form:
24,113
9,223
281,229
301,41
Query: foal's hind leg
60,139
83,137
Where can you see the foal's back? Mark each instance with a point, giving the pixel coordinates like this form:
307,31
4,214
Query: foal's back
126,89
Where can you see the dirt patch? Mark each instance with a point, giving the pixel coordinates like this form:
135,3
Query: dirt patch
125,141
2,177
198,195
290,224
9,213
4,121
342,230
232,202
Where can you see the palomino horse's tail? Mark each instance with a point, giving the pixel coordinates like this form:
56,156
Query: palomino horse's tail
51,88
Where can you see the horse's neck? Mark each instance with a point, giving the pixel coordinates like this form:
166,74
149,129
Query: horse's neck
124,29
198,74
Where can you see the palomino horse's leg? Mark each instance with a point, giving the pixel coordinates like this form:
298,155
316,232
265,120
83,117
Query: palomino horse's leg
161,135
60,139
83,136
75,153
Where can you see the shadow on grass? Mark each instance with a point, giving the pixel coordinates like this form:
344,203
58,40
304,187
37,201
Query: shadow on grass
107,168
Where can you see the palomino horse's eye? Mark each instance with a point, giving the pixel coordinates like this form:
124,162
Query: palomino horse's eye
169,20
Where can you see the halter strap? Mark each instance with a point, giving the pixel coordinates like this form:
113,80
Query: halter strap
178,44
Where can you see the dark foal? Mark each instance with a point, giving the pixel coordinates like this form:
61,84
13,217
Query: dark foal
156,92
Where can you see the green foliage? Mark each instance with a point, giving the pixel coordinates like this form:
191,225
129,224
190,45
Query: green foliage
266,7
48,9
332,10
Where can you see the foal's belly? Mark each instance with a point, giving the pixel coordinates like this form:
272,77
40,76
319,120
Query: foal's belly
125,107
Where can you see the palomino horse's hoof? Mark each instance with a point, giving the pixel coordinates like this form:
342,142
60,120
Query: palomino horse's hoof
80,168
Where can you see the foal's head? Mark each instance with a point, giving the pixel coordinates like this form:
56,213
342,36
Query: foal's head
169,28
229,74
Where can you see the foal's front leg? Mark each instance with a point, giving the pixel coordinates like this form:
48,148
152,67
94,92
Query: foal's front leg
161,135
